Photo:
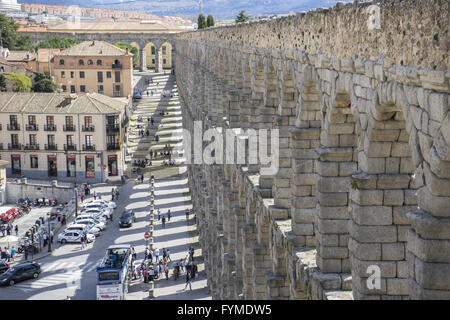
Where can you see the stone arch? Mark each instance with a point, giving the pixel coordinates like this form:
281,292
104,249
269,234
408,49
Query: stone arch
305,138
150,54
384,193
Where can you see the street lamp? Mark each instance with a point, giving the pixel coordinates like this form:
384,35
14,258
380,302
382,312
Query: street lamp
76,199
49,234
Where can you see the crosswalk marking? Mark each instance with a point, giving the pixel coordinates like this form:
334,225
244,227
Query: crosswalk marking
66,272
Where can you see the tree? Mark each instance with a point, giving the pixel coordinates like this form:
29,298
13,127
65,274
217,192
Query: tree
45,85
210,21
11,38
201,22
21,83
57,43
2,83
241,17
38,76
134,50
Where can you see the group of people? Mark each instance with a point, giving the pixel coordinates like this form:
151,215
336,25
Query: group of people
142,163
8,228
115,194
162,218
8,254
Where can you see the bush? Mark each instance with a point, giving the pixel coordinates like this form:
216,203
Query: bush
45,85
21,83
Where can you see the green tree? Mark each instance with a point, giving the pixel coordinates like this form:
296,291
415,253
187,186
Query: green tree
210,21
38,76
11,38
241,17
45,85
21,83
201,21
2,83
57,43
134,50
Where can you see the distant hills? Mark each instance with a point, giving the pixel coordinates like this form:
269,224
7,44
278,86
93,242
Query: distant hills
220,9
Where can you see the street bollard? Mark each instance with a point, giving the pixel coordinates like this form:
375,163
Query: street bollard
151,288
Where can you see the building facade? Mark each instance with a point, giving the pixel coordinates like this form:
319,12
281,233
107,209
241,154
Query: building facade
94,66
55,136
166,55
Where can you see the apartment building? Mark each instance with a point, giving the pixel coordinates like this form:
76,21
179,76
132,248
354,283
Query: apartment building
71,137
94,66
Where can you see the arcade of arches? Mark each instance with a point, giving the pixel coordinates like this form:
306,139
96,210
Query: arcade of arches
363,186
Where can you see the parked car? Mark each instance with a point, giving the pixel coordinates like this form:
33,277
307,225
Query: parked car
98,213
126,219
106,211
97,220
4,266
23,271
74,236
82,228
109,204
167,94
137,95
91,223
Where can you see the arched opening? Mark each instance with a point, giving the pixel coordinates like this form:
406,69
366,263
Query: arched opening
150,52
166,51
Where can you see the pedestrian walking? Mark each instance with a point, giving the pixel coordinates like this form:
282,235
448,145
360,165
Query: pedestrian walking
166,271
3,229
156,252
51,236
164,253
133,253
82,242
117,193
112,194
187,213
8,232
16,229
64,219
163,222
168,255
95,195
158,214
8,255
169,214
13,253
188,281
82,197
152,121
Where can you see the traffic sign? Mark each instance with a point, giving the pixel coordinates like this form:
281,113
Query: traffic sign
147,235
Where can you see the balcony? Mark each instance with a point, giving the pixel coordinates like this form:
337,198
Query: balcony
53,147
112,146
13,127
32,127
112,128
50,127
15,146
89,128
70,147
31,147
117,66
89,147
69,127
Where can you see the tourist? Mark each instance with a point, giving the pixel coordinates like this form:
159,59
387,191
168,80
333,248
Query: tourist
95,195
187,213
163,222
112,194
164,253
3,229
16,229
158,214
188,281
168,255
7,255
169,214
156,252
166,271
82,242
117,193
13,253
82,197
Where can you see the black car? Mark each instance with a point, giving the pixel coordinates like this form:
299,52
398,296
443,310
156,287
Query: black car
24,271
126,219
3,266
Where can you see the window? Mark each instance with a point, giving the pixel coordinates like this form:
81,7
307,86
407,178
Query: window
88,121
82,88
51,139
100,77
164,61
63,74
69,120
100,89
108,74
70,140
72,89
14,139
89,141
34,162
13,120
61,62
99,62
32,120
33,139
116,62
117,74
50,120
153,50
164,50
52,168
81,62
71,168
82,74
90,62
15,164
64,88
153,61
72,74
